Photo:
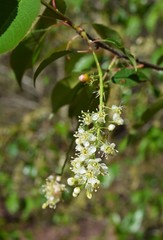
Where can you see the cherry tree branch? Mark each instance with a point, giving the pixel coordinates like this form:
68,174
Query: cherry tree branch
102,45
99,44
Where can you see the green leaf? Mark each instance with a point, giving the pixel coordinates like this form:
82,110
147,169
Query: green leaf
30,47
152,110
84,63
129,77
51,58
26,50
64,91
61,5
84,99
27,11
61,8
108,35
113,39
46,19
8,11
78,96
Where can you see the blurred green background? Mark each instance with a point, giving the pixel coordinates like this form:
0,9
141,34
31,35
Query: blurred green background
33,143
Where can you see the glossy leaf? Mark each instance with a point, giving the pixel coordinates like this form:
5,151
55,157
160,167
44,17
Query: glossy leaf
46,19
27,12
108,35
64,91
78,96
51,58
61,5
84,99
8,12
30,47
129,77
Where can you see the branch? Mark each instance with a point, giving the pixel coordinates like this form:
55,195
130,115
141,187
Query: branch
99,44
123,56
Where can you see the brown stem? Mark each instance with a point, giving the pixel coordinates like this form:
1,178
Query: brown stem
123,56
99,44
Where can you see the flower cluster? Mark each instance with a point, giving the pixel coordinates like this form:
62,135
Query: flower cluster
53,191
91,148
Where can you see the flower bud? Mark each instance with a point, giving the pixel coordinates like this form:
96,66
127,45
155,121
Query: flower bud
70,181
111,127
84,77
76,192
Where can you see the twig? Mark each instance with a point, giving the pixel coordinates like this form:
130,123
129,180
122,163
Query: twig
67,157
99,44
102,45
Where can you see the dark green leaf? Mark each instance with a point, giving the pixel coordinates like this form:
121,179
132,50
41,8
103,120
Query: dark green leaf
25,55
129,77
54,56
78,96
30,47
46,19
64,91
8,12
61,5
83,100
27,12
108,35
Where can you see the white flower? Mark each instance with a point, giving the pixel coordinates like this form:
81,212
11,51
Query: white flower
86,144
71,181
117,119
80,130
95,116
53,190
86,118
89,195
82,157
120,121
76,191
102,116
92,137
79,148
111,127
116,109
108,149
104,169
116,116
91,150
99,116
77,166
